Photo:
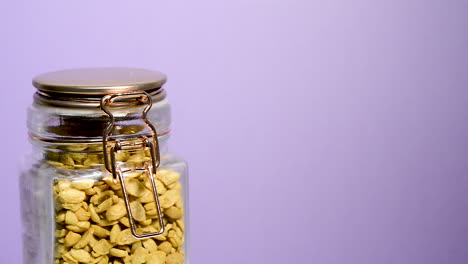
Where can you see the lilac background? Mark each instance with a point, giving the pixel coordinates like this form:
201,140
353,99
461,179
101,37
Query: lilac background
317,131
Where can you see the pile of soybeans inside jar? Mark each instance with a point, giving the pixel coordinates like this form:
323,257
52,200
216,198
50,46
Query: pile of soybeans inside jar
91,220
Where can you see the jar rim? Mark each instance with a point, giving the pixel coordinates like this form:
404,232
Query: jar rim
88,101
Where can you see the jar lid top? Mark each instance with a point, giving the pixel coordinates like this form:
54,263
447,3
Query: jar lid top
99,81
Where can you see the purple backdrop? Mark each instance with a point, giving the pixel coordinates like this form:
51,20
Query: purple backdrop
323,132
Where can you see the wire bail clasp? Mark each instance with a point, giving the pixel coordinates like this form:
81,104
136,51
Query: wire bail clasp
114,144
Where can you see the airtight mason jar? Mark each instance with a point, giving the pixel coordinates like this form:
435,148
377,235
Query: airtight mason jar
102,186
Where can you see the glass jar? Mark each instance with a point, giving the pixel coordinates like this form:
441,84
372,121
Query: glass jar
102,186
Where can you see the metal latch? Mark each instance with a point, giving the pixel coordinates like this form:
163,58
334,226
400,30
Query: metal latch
114,144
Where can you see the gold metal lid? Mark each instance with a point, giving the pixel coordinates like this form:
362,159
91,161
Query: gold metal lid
84,87
99,81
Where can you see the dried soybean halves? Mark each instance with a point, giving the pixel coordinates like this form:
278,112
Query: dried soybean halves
92,224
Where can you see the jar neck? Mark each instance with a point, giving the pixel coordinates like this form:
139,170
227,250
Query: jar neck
91,156
75,126
73,138
163,144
